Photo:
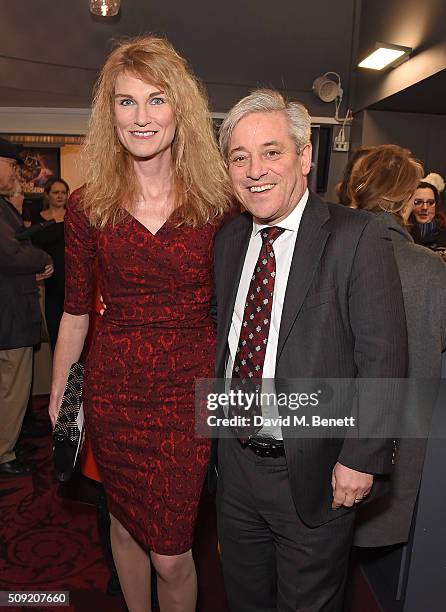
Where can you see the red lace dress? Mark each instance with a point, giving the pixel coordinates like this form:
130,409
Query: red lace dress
155,338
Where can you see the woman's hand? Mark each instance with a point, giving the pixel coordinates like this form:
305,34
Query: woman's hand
53,409
70,341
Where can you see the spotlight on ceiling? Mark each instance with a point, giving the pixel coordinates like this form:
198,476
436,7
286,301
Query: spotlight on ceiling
326,89
105,8
385,56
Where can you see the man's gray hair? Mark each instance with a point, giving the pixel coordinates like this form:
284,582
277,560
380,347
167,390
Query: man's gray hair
267,101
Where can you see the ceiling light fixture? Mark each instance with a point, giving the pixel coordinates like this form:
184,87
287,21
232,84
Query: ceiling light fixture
105,8
385,56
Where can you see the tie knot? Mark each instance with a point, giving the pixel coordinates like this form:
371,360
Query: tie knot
269,234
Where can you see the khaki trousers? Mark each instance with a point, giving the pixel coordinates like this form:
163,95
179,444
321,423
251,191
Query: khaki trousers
16,368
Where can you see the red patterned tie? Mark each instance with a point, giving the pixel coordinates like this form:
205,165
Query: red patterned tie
248,363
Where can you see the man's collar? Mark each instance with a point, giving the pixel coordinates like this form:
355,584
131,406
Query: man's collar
289,223
9,205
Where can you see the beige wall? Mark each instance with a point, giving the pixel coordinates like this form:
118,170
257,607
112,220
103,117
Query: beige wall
70,166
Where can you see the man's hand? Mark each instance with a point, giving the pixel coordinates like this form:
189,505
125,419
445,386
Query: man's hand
47,272
349,486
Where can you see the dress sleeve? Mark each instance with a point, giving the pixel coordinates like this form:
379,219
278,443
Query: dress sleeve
80,254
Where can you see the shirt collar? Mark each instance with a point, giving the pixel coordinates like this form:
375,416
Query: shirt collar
291,222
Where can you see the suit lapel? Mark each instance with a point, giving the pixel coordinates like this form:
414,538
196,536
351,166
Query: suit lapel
231,269
311,238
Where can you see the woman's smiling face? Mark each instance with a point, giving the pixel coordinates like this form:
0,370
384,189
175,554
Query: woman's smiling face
144,118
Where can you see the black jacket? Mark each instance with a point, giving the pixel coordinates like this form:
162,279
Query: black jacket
343,318
20,317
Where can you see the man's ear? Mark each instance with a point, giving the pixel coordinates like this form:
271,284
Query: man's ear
305,159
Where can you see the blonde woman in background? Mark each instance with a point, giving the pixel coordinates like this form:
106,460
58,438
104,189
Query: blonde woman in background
383,183
155,191
342,187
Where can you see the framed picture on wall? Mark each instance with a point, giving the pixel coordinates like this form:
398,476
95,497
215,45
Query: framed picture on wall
39,164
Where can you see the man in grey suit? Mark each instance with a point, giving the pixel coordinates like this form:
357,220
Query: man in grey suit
305,290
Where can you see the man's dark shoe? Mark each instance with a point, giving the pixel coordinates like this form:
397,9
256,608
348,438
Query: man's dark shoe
15,468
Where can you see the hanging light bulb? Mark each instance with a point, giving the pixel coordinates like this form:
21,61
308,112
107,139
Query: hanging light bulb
105,8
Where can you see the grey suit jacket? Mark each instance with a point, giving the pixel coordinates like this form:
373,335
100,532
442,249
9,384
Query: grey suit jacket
387,520
343,317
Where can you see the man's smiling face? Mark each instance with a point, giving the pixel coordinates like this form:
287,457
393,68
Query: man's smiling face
268,176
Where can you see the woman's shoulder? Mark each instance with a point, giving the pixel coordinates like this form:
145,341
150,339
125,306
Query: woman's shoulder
75,215
75,210
33,216
45,215
441,238
421,264
75,199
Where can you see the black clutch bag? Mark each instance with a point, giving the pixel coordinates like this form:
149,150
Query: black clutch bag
68,430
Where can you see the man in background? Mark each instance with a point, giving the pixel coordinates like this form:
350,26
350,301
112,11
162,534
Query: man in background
20,317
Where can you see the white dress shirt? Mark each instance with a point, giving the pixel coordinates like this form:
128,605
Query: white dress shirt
283,254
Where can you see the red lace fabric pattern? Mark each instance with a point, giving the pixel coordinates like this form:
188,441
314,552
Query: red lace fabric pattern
155,338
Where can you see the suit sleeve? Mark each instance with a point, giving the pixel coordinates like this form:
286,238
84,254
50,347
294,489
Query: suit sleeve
19,257
378,322
439,269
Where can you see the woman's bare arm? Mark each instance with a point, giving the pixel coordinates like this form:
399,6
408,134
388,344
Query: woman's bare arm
70,342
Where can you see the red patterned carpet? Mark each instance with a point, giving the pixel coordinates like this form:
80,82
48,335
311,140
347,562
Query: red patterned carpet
49,542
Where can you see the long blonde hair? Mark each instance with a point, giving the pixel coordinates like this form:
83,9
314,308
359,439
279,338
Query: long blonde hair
201,184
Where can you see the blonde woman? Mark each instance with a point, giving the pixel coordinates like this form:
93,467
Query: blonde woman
383,183
155,191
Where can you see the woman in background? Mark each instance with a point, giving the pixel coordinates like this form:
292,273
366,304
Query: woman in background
156,189
383,183
51,240
56,192
428,222
342,187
